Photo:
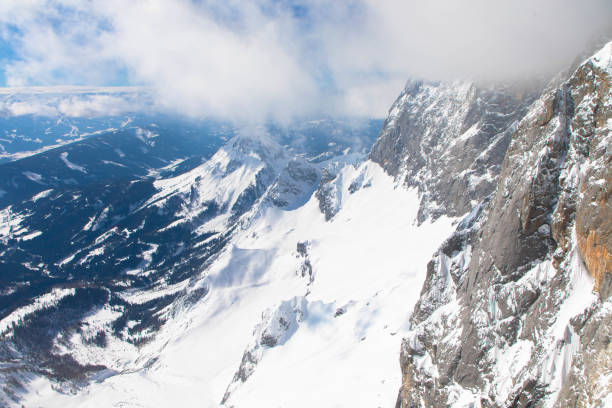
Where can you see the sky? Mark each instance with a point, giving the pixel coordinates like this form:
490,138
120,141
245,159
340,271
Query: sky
261,59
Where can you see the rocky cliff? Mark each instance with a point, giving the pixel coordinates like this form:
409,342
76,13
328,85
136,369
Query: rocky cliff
516,307
449,140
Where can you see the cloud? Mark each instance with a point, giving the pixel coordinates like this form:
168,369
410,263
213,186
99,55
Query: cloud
256,59
75,101
481,38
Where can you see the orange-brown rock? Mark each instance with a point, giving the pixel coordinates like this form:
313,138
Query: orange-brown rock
404,392
594,210
597,260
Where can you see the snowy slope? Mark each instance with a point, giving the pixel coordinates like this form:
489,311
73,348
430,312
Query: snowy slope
130,258
366,267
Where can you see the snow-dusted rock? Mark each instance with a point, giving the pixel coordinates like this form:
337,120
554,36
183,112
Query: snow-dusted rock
508,315
449,140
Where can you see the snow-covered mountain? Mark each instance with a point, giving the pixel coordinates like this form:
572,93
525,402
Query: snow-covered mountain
288,295
289,265
97,261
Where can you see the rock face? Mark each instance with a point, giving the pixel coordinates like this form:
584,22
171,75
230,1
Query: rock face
516,307
294,184
449,140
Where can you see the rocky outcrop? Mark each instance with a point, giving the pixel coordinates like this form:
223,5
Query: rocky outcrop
507,315
597,259
276,327
329,192
294,185
449,140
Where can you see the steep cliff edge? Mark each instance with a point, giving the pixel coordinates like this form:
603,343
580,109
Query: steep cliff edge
594,209
516,308
434,135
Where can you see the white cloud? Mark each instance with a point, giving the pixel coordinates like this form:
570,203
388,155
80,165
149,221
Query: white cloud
256,58
200,66
74,101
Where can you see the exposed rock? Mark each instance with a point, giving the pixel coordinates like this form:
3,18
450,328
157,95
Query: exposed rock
294,185
449,140
507,316
276,327
302,249
329,193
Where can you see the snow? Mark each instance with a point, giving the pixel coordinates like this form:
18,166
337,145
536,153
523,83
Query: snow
70,165
66,260
146,258
513,363
42,194
89,223
146,136
222,179
508,364
580,296
140,297
171,166
459,397
467,135
117,355
10,223
370,263
267,335
110,162
35,177
28,153
31,235
564,341
42,302
603,58
92,254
